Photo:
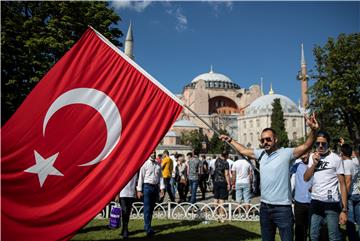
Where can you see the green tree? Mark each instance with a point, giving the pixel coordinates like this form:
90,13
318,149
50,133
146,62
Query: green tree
336,92
278,124
36,34
216,146
194,139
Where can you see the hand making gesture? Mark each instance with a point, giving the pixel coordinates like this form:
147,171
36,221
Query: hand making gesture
312,122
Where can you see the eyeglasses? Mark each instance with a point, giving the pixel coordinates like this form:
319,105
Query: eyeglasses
266,139
320,143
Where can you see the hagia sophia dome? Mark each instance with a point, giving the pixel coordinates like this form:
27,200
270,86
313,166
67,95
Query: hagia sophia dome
263,105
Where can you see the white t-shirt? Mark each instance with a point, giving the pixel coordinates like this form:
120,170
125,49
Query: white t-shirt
212,166
325,181
231,162
351,167
130,189
242,169
172,157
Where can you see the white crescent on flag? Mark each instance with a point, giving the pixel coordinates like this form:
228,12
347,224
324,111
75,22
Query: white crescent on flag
100,102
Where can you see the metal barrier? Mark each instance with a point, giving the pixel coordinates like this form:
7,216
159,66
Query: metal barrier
198,211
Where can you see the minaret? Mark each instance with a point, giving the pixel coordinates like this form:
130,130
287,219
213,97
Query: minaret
129,43
303,77
262,86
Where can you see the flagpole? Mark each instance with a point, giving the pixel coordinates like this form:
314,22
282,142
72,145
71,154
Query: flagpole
218,133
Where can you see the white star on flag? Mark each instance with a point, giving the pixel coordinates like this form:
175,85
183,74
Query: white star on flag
44,167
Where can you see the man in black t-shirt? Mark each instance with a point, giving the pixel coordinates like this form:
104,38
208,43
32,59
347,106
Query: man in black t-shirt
203,175
221,180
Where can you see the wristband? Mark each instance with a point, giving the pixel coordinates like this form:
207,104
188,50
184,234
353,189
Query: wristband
344,210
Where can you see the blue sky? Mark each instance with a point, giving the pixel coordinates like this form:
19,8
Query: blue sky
176,41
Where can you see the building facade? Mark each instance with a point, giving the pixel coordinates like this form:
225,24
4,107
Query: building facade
257,117
223,104
217,100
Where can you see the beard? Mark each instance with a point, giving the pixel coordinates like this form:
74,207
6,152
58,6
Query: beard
267,146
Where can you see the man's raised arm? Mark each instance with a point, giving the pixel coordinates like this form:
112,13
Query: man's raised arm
314,126
240,148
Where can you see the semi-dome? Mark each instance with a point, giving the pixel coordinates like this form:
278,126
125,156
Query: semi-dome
184,123
263,105
171,134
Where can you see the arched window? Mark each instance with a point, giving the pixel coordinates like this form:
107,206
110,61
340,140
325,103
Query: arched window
245,124
257,123
251,124
294,135
293,122
245,138
251,137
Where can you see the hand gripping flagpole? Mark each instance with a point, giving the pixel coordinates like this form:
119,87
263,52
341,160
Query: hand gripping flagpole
218,133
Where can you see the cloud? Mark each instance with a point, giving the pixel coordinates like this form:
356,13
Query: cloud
138,6
181,19
217,6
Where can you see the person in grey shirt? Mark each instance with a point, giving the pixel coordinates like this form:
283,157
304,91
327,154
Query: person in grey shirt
194,167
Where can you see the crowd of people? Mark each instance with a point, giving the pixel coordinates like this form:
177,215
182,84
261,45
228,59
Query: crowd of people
310,189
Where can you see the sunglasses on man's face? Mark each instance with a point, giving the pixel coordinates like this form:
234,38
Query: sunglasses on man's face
320,143
266,139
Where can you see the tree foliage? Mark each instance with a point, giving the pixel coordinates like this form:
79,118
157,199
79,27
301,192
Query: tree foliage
336,92
278,124
216,146
194,138
36,34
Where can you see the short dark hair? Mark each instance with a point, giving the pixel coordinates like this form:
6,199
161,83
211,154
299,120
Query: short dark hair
324,134
189,154
224,153
346,149
203,156
166,152
269,129
179,155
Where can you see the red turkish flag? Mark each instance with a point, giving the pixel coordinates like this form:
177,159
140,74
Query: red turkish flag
77,139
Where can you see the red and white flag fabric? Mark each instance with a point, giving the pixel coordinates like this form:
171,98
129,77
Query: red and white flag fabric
76,140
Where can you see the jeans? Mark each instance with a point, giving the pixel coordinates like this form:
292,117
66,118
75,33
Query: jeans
173,185
353,217
243,192
151,194
302,220
168,190
280,216
324,212
193,185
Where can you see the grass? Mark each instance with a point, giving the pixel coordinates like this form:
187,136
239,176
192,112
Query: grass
172,230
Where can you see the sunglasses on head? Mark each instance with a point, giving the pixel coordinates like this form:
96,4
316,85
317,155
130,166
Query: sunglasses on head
320,143
266,139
